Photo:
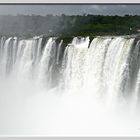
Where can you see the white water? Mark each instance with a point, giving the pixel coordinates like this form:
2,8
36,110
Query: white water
87,89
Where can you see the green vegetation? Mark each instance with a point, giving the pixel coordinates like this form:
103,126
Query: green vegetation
68,26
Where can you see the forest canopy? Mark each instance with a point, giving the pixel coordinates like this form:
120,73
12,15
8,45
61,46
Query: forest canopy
64,25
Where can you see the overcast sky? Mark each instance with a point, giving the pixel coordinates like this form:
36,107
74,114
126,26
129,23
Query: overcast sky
70,9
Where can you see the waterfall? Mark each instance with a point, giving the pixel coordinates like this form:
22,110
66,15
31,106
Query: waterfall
50,86
103,67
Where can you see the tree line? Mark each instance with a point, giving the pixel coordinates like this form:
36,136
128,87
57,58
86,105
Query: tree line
64,25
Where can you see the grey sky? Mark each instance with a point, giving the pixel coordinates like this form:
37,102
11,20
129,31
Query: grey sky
70,9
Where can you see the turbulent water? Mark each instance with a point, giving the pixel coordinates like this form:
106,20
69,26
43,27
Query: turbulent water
48,88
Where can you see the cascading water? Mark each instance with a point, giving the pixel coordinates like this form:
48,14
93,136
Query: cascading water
103,68
77,79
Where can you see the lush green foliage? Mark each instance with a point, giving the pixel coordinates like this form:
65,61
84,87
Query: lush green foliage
68,26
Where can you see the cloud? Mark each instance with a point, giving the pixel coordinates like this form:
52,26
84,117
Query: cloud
70,9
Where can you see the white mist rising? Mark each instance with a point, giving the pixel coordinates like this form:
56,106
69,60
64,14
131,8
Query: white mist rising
89,89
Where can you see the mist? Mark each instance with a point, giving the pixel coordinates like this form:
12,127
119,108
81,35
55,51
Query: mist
30,111
50,90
